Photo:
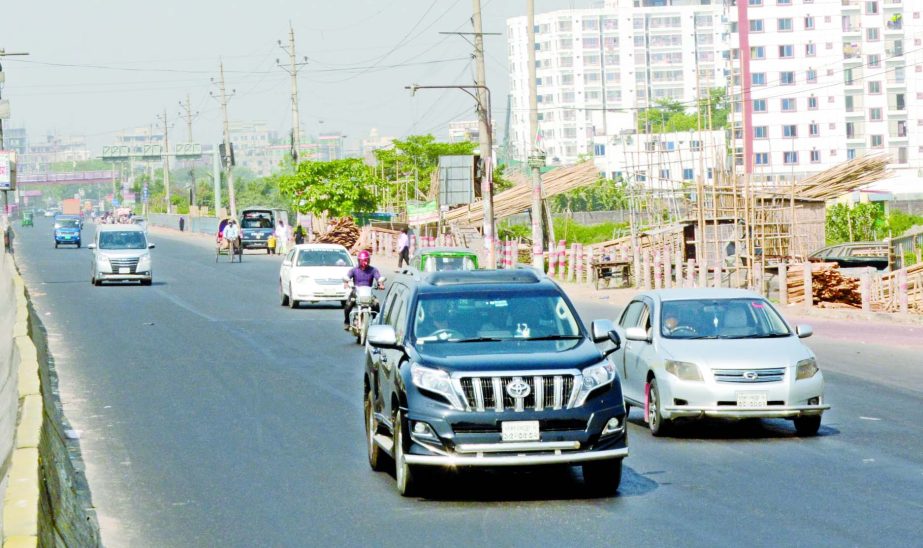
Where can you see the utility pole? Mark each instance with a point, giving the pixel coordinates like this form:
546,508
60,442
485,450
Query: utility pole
486,138
6,201
232,200
292,69
536,155
166,159
187,112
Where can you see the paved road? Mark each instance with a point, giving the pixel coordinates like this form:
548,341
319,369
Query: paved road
210,415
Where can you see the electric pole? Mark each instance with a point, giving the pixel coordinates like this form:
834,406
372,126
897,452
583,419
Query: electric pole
229,156
166,159
292,69
486,138
536,155
187,112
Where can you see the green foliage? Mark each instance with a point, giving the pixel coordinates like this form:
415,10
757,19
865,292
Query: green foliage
82,165
899,222
506,231
862,222
603,195
339,187
416,157
670,115
573,232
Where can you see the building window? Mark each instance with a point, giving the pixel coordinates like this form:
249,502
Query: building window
759,105
877,141
850,154
784,24
756,25
875,114
873,61
812,103
810,50
760,132
874,88
815,156
761,158
790,131
758,79
871,8
756,2
790,158
664,173
850,130
786,52
813,129
787,78
788,105
871,34
687,174
811,76
808,23
757,52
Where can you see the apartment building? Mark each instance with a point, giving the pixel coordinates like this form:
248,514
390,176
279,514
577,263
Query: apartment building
251,146
662,160
596,67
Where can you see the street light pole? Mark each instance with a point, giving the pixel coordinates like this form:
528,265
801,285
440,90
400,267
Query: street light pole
486,162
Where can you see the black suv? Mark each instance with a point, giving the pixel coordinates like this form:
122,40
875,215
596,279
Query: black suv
491,368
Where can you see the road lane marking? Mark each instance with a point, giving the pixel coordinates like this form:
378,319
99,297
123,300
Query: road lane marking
870,418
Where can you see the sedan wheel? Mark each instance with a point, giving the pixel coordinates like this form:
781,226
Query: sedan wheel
807,425
655,420
403,473
283,298
292,303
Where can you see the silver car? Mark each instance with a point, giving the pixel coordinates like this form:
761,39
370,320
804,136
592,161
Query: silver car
725,353
121,253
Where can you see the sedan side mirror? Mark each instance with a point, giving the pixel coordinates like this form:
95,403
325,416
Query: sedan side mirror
637,334
382,336
804,331
91,246
286,263
151,246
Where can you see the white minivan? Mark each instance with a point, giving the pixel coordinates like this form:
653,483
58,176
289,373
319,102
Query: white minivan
121,252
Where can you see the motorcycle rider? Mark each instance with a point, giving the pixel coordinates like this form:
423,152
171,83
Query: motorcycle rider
363,275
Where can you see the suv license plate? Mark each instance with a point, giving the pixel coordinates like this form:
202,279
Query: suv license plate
519,431
124,270
752,400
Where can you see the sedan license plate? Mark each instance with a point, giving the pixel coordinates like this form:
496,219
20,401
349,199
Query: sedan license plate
751,400
124,270
519,431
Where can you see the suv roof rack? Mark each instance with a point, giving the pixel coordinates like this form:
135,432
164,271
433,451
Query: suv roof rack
463,277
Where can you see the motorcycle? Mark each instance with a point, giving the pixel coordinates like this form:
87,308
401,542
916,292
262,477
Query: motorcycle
362,315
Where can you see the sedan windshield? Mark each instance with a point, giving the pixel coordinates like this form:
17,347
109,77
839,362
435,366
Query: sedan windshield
122,240
323,257
720,319
494,317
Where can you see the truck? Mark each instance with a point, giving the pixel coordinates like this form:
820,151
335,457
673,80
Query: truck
70,206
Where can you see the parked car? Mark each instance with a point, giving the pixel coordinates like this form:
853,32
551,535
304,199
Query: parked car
67,230
314,273
490,368
725,353
855,255
121,252
434,259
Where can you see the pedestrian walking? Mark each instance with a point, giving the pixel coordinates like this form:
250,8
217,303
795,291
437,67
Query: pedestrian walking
182,224
403,248
282,237
299,235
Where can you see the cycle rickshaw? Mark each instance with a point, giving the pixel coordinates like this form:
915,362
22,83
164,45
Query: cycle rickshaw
222,247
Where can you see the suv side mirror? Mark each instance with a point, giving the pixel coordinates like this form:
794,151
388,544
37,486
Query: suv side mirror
382,336
804,331
637,334
601,329
151,246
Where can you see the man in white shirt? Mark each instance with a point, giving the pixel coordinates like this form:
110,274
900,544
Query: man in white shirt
403,249
231,233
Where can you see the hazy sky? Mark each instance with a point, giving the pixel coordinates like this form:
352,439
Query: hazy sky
100,66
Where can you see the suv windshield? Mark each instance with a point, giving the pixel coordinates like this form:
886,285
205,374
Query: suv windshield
67,223
132,239
323,257
720,319
495,316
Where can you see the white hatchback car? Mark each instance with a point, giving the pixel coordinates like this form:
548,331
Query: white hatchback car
726,353
314,273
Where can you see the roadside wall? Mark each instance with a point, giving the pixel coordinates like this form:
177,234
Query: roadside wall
204,225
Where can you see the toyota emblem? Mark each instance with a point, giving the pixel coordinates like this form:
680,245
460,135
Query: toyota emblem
518,388
751,375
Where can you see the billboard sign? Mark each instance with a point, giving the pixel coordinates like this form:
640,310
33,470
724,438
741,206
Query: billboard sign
7,170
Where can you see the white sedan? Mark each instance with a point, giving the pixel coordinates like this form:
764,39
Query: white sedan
314,273
724,353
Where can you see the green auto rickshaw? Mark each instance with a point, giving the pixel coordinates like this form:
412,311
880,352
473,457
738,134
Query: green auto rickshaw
438,259
27,218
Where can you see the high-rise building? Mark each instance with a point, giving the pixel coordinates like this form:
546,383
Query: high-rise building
251,146
15,139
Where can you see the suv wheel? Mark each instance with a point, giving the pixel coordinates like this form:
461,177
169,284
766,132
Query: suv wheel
655,420
403,472
807,425
603,477
371,427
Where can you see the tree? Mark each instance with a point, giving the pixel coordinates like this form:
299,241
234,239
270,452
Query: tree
417,157
669,115
861,222
603,195
338,187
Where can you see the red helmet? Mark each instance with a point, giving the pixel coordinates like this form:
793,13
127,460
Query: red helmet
364,256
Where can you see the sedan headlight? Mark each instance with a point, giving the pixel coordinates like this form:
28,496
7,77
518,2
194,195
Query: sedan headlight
806,369
685,371
594,377
436,381
303,279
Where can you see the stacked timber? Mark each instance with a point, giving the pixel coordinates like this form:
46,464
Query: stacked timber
828,286
891,293
343,231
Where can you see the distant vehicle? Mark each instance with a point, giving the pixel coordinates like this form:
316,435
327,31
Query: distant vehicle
121,252
67,230
257,224
314,273
51,212
437,259
722,353
70,206
855,255
139,221
27,218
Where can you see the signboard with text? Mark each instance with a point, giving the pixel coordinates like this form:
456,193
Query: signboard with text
7,170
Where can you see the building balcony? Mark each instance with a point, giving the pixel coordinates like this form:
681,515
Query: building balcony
851,4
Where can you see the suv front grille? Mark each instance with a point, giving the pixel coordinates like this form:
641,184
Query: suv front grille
749,375
131,263
545,392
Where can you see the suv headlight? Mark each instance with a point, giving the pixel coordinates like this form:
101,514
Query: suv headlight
103,263
683,370
594,377
436,381
806,369
144,261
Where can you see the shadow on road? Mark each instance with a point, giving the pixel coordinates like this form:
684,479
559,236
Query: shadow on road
718,429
